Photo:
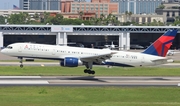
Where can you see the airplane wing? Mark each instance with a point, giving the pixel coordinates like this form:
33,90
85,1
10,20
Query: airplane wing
98,58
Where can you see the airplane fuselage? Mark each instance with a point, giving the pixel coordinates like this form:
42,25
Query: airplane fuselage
55,52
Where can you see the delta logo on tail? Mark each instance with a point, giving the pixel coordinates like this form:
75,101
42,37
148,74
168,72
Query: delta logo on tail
161,46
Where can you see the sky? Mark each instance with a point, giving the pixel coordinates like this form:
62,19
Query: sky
8,4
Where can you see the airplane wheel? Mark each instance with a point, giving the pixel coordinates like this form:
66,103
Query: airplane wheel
92,72
21,66
86,71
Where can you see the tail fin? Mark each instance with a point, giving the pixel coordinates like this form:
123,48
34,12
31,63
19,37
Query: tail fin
161,46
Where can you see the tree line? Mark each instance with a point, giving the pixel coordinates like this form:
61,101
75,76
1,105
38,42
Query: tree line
58,19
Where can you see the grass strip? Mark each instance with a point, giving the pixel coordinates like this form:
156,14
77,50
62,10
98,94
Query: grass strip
100,71
89,96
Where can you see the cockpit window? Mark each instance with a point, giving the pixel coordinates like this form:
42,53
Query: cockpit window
9,47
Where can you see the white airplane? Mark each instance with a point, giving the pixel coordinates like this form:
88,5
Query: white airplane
172,52
75,56
111,46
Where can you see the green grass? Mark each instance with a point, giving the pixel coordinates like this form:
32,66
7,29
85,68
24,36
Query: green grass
176,61
100,71
89,96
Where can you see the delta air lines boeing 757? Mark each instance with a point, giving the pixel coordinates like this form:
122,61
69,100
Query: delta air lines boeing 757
75,56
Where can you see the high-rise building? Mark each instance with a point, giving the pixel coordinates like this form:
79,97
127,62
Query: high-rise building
138,6
170,11
66,6
96,6
40,4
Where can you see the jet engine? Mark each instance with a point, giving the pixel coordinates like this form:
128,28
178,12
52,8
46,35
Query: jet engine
71,62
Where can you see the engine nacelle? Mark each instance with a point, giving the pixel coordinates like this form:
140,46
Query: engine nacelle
71,62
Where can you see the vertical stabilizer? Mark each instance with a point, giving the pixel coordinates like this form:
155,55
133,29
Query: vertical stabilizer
161,46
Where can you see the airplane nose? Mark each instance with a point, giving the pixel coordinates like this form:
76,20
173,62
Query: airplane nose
2,51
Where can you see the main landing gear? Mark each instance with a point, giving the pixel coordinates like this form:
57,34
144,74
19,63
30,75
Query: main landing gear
21,62
89,71
89,68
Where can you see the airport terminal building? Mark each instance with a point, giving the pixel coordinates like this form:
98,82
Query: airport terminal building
122,36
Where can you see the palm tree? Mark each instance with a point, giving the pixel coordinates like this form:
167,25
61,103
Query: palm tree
109,16
93,20
36,17
44,18
81,13
102,18
109,19
2,20
177,18
129,16
114,20
98,21
25,17
106,21
126,14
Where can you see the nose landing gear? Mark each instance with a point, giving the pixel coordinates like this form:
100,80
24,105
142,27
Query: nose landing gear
21,62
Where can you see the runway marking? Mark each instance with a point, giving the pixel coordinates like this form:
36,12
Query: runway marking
20,77
88,81
107,81
24,82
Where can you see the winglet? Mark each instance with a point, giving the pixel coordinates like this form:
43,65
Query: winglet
161,46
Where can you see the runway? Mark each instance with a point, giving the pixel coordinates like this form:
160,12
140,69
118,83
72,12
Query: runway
87,81
57,64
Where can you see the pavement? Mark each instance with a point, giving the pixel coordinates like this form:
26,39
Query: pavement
88,81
